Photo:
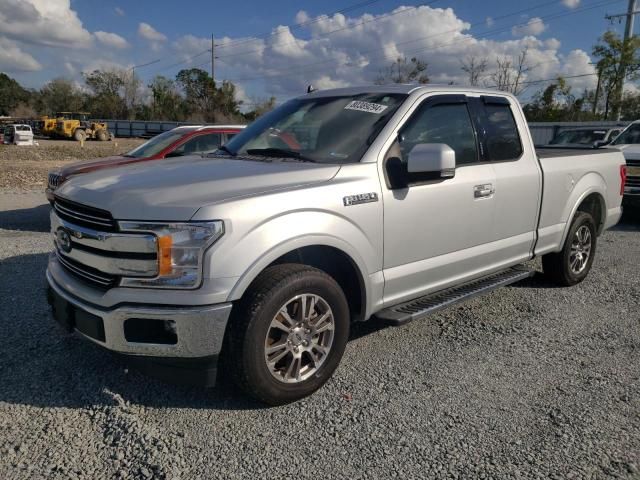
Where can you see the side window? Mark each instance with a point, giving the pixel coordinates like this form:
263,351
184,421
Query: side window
502,137
441,123
209,142
200,144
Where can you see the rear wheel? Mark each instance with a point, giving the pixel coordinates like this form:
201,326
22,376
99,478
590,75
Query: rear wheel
288,333
572,264
102,135
80,135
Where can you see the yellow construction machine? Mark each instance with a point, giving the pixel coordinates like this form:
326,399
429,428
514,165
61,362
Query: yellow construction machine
77,125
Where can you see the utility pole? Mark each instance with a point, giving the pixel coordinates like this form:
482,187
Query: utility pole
213,58
597,94
628,33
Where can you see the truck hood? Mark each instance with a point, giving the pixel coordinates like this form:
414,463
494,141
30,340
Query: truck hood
175,189
96,164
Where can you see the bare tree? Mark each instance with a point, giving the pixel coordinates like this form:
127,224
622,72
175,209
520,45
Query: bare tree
475,69
404,71
510,74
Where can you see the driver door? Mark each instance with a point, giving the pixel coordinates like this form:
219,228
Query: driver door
436,229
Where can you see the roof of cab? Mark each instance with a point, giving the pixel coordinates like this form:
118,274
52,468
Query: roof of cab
193,128
399,88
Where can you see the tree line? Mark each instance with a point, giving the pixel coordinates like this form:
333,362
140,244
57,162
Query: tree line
117,94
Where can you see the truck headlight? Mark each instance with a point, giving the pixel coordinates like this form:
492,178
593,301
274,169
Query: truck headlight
181,248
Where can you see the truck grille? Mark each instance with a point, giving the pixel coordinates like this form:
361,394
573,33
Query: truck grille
633,182
91,275
55,179
84,216
89,246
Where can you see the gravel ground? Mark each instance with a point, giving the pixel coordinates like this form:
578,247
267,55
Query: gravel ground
530,381
27,167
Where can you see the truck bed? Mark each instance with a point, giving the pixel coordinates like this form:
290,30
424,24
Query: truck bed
567,174
553,152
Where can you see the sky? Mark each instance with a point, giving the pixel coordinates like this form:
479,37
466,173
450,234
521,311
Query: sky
277,48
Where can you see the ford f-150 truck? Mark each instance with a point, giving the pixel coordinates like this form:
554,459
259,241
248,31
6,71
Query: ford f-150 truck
340,206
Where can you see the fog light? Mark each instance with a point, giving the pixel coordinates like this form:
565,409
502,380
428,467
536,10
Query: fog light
150,330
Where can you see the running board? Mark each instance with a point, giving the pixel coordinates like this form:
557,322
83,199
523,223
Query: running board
423,306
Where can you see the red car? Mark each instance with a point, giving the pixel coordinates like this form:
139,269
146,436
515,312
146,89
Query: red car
188,140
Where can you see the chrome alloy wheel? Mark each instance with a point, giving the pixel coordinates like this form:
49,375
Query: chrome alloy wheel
580,250
299,338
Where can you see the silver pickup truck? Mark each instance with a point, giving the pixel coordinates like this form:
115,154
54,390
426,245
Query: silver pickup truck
340,206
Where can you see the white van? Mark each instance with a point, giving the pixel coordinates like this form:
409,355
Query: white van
18,134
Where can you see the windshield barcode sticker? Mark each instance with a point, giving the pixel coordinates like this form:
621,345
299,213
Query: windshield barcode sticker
366,107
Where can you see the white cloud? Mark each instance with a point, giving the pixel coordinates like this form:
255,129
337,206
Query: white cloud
340,50
119,11
578,62
571,3
111,39
43,22
535,26
13,59
147,32
489,21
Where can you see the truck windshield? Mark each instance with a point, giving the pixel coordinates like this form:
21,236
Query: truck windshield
322,129
155,145
629,136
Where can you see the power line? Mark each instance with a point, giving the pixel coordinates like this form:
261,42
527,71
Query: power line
299,25
302,69
382,17
348,27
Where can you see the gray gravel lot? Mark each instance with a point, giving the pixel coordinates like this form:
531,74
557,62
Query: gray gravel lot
528,382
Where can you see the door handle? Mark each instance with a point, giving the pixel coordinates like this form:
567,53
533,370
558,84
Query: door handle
483,191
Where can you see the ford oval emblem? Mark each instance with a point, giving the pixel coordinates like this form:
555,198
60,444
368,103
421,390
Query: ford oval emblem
64,240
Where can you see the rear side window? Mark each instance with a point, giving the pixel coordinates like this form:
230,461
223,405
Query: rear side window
502,140
200,144
442,123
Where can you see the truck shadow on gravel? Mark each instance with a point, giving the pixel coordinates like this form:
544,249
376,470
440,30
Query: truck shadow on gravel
42,366
34,219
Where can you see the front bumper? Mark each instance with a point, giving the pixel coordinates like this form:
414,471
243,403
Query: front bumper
199,331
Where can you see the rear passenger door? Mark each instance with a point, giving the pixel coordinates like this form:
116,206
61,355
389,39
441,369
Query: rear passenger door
517,179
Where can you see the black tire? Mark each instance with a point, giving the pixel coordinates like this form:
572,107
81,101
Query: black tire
557,266
80,135
250,325
102,135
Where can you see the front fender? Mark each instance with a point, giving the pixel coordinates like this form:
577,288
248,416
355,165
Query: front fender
246,253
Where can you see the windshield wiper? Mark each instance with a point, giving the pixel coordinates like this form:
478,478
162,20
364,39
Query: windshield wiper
278,153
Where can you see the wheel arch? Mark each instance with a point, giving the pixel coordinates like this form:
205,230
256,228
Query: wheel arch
591,199
327,254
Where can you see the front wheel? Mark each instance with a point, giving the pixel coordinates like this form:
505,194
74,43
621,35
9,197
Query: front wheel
80,135
288,333
572,264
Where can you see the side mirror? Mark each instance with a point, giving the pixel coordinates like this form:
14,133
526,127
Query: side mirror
600,143
437,158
